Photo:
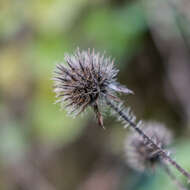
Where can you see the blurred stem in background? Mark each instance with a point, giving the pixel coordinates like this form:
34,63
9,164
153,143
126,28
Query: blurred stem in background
172,42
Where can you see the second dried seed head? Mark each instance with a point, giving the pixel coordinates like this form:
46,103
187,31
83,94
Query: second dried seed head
139,153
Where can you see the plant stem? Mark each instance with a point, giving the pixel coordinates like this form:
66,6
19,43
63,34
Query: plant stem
162,152
179,185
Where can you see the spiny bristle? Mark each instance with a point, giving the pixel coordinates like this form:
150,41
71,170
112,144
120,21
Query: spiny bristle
127,111
85,81
140,154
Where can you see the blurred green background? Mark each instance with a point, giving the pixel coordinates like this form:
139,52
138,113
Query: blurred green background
41,148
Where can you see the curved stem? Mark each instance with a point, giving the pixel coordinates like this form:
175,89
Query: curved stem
162,152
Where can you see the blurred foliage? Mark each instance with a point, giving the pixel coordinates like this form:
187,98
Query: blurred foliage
126,27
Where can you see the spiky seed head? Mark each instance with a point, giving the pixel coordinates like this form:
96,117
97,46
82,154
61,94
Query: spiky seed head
140,154
86,80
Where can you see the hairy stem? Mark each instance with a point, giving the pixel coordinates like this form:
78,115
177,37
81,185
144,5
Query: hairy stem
179,185
162,152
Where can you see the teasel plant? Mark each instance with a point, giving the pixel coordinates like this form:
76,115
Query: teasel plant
89,80
141,155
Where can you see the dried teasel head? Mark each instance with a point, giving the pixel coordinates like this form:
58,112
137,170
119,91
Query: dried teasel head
140,154
86,80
